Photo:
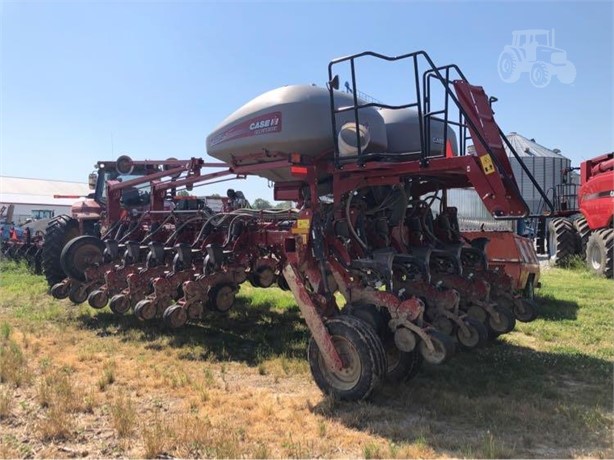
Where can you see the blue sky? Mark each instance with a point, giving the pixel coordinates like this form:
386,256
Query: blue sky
86,81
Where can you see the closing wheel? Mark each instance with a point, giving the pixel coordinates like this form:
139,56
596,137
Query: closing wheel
504,323
477,312
145,310
402,366
360,373
119,304
443,348
265,276
221,297
525,310
77,293
80,254
175,317
97,298
475,336
444,325
60,291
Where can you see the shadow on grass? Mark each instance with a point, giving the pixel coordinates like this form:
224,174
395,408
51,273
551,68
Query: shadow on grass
503,400
247,333
500,401
553,309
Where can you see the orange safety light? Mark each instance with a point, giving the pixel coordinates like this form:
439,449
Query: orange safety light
295,157
298,170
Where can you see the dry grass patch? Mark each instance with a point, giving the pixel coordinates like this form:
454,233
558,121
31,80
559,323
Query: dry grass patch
6,402
108,375
13,364
123,415
56,424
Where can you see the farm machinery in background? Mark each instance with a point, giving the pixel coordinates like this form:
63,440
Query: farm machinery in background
586,229
371,224
22,242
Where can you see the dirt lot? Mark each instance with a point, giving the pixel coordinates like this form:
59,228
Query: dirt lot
75,382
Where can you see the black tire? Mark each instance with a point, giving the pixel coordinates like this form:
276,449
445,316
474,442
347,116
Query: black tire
98,298
175,317
444,348
600,252
562,240
361,374
60,230
222,297
525,310
265,276
145,310
506,322
119,304
376,343
583,231
402,366
77,294
81,253
60,291
477,337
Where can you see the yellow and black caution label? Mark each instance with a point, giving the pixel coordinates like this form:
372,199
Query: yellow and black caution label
302,228
487,164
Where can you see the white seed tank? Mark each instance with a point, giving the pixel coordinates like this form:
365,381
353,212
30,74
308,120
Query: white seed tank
294,119
403,133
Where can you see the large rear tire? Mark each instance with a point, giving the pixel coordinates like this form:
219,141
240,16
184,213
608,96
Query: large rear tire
58,233
361,371
562,240
599,252
583,231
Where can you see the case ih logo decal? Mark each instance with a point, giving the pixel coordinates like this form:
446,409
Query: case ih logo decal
263,124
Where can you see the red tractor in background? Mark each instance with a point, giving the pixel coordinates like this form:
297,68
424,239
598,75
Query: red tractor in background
586,229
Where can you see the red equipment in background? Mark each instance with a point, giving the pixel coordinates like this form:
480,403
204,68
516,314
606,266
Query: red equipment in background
586,230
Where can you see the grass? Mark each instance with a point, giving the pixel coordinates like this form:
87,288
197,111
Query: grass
239,385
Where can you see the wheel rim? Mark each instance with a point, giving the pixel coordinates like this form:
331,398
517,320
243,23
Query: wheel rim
347,378
435,356
444,325
469,337
224,298
477,312
145,310
97,299
594,257
59,291
525,310
85,257
78,295
266,277
119,304
177,317
502,324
